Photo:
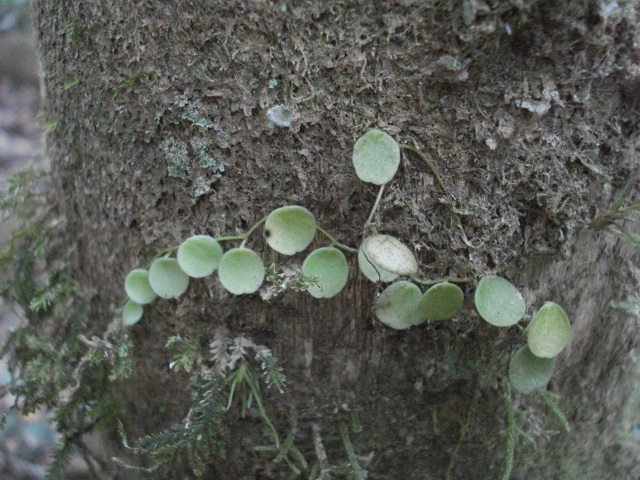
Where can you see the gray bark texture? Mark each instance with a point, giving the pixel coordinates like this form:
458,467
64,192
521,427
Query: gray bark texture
528,110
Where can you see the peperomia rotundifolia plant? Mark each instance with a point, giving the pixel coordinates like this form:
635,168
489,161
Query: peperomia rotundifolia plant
382,258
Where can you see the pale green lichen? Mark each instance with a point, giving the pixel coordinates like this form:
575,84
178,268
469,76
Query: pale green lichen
202,185
177,155
193,111
181,162
201,148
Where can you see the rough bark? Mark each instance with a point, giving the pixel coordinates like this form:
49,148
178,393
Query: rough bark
161,133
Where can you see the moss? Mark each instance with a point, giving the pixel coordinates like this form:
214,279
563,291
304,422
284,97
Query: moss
444,80
134,81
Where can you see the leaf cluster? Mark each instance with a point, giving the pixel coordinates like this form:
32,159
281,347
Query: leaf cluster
621,210
51,363
287,230
228,378
198,436
283,279
355,465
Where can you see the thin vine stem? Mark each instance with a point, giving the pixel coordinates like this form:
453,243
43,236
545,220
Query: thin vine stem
440,280
433,169
169,250
230,238
164,252
375,206
251,230
335,242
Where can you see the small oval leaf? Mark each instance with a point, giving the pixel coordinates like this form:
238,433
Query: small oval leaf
391,254
290,229
395,305
528,372
137,287
372,271
376,157
199,256
331,269
499,302
131,313
549,331
441,302
167,278
241,271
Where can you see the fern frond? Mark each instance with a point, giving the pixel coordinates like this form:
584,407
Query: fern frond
198,436
551,402
187,354
272,372
354,460
218,349
61,456
238,350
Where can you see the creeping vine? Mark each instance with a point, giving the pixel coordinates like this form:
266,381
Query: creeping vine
232,375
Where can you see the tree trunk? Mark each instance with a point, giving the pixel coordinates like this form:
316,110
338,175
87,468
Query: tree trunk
528,111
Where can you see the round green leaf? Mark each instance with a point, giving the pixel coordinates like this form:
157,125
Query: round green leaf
528,372
241,271
376,157
331,269
440,302
167,278
137,287
199,256
290,229
549,331
395,305
131,313
499,302
373,272
391,254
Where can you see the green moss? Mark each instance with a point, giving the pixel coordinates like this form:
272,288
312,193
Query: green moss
136,80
